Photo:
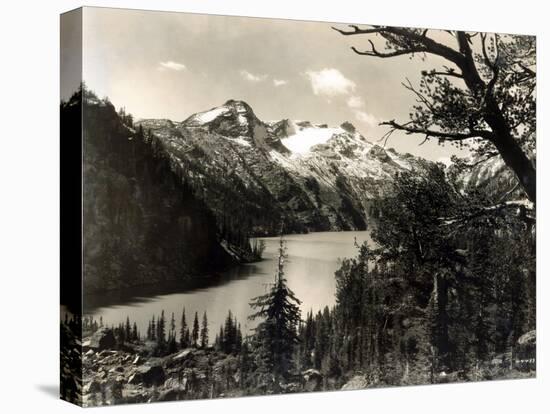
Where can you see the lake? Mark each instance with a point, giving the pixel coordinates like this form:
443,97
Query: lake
312,260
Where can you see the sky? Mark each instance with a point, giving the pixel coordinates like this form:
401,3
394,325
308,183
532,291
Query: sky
172,65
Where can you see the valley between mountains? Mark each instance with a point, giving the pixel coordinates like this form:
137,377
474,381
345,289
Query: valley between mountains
167,201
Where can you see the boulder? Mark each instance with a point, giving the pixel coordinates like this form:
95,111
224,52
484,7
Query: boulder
102,339
183,354
313,380
358,382
134,395
118,368
181,359
169,395
134,378
148,375
173,383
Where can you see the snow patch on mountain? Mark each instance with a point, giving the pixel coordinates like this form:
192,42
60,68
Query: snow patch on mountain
306,136
239,140
202,118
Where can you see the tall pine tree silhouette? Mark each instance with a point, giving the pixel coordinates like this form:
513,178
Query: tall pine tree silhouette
195,334
204,331
280,313
184,337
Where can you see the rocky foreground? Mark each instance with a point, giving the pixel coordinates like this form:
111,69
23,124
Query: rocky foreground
133,375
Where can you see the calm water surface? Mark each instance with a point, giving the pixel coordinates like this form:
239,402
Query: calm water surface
312,260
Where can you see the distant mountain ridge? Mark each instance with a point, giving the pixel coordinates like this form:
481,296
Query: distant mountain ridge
166,201
310,176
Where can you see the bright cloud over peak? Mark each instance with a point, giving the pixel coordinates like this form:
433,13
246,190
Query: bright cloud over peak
365,117
279,82
171,65
251,77
330,82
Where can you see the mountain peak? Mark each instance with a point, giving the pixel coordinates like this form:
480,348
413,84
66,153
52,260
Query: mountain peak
238,104
233,118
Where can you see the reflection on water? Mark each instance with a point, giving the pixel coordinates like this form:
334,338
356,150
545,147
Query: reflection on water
312,260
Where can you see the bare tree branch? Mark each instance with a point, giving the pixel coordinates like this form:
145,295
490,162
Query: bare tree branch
446,136
356,30
376,53
424,42
447,73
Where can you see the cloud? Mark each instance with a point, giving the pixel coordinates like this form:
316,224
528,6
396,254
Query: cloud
279,82
355,102
171,65
365,117
251,77
330,82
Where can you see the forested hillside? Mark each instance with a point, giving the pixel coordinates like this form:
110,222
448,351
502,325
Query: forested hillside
142,225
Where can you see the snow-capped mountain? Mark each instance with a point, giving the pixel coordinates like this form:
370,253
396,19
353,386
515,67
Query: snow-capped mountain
311,176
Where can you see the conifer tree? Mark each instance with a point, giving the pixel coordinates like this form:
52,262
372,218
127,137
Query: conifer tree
229,334
153,329
238,337
173,325
188,336
161,329
220,340
128,328
172,344
195,333
135,334
184,340
279,312
204,331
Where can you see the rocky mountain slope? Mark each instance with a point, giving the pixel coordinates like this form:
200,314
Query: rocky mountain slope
254,174
490,176
141,225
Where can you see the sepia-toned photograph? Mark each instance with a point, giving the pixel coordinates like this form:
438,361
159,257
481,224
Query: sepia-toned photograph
255,206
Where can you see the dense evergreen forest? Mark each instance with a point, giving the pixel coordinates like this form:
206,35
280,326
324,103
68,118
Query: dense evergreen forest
446,293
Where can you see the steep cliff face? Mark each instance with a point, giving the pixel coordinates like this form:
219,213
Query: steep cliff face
141,223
